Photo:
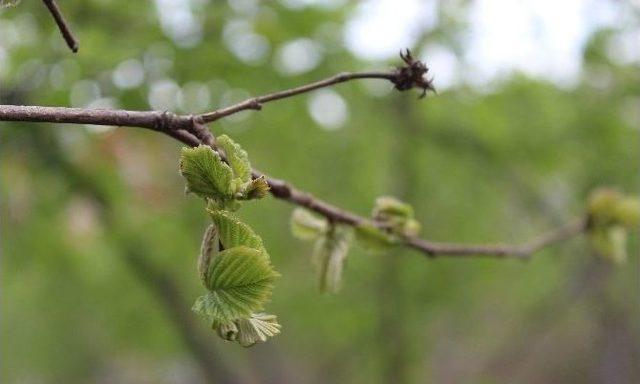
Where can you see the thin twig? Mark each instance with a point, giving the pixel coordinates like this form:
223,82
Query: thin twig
523,251
409,76
63,26
257,102
166,121
285,191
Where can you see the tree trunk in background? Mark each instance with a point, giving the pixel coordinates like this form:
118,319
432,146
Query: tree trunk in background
393,335
132,251
168,295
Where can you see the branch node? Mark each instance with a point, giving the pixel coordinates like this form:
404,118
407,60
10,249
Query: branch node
164,121
343,76
255,104
200,130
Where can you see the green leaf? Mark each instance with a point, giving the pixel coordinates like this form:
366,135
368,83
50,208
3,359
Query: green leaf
223,205
240,281
396,215
236,156
234,232
205,173
410,228
329,255
602,205
306,226
256,188
374,239
387,207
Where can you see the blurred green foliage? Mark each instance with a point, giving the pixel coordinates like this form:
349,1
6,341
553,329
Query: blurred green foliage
477,165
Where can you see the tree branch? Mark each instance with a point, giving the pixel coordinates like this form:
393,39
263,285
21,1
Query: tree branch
190,130
522,251
409,76
68,36
257,102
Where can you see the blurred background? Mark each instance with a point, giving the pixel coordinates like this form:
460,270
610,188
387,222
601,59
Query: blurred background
538,103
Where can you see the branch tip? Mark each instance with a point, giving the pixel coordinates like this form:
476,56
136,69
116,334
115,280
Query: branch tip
63,26
412,75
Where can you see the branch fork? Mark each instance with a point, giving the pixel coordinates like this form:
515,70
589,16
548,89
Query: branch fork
192,130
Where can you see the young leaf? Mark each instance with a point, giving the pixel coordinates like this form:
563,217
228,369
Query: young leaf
306,226
329,256
208,251
373,238
205,173
602,205
257,328
387,207
240,281
247,331
223,205
411,228
256,189
234,232
236,156
227,330
396,215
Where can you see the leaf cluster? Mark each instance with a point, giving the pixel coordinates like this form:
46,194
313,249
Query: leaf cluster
222,183
392,220
234,265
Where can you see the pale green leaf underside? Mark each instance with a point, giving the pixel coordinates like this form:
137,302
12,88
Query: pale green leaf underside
249,330
208,251
610,243
329,255
234,232
236,156
205,173
240,281
257,328
618,238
